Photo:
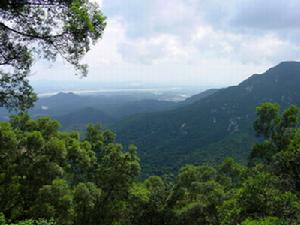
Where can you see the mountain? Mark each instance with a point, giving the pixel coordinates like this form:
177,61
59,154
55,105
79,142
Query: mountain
117,105
78,120
204,94
76,111
142,106
60,104
107,114
210,128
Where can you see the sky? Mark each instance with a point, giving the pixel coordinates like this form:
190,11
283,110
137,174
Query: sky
205,42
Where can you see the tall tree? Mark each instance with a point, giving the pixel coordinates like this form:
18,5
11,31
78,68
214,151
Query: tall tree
31,29
45,173
277,129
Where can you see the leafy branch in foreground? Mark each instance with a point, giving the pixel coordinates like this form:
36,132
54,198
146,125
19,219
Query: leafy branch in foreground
43,29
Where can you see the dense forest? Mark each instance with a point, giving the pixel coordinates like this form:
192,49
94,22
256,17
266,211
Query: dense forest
211,128
53,177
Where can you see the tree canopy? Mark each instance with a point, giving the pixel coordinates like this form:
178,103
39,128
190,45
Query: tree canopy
48,174
51,177
31,29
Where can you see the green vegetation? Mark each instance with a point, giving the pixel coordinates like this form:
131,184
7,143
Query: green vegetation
211,127
48,176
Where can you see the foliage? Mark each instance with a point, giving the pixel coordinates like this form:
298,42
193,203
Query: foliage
46,174
27,222
211,128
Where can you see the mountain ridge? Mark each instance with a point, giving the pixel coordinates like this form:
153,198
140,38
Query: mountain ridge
171,137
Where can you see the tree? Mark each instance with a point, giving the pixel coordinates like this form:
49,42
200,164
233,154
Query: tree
46,28
260,196
196,196
45,173
152,195
278,130
265,221
115,174
54,201
280,149
86,196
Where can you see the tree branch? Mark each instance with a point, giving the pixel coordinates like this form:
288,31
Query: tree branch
37,2
43,37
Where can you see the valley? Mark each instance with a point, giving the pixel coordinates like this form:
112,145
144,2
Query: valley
203,128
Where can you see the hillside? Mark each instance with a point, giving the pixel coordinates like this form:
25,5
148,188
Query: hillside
211,128
76,111
78,120
65,103
107,114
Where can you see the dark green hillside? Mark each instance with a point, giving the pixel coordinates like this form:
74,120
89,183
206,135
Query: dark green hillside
140,106
107,114
76,111
65,103
213,127
80,119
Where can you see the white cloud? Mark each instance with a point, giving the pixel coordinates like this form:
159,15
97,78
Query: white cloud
106,50
207,41
159,48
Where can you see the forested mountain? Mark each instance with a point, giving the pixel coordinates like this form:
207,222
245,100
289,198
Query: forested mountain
109,114
115,105
213,127
76,111
50,177
79,120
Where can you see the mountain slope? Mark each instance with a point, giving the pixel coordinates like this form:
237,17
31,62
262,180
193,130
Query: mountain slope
192,133
78,120
200,96
108,114
141,106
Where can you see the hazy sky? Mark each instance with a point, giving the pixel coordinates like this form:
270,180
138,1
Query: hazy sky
210,42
